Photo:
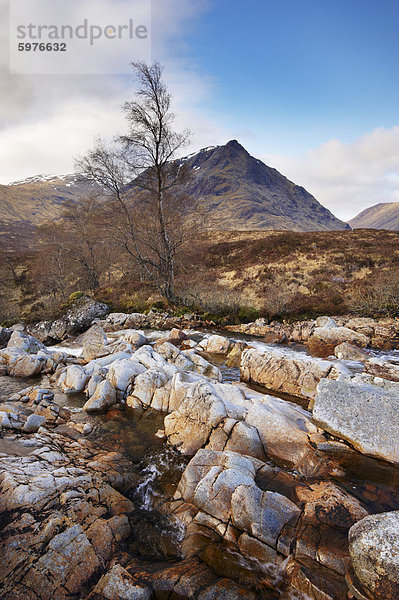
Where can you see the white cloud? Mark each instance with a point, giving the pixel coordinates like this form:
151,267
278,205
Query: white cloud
347,178
46,121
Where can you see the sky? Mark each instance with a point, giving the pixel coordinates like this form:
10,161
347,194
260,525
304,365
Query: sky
310,87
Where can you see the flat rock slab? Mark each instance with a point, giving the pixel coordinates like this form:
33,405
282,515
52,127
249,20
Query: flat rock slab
367,416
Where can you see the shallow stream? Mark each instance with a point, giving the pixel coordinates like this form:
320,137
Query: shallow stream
158,469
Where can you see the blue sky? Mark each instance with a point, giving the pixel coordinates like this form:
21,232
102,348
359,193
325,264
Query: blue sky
310,87
294,74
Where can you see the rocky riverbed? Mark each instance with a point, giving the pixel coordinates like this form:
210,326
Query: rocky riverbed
177,463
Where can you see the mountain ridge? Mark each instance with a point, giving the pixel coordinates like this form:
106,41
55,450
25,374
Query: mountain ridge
384,215
234,190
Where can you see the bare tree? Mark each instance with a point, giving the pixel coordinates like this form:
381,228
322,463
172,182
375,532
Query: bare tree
147,214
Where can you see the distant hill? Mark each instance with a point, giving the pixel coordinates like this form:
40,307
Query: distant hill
26,204
380,216
234,190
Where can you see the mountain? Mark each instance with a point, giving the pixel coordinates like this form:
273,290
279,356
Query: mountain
240,192
26,204
380,216
234,190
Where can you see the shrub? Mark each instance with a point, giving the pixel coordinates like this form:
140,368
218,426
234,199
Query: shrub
75,296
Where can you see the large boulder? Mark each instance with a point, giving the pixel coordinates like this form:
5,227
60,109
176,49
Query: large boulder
284,371
25,342
93,341
367,416
324,339
77,319
374,549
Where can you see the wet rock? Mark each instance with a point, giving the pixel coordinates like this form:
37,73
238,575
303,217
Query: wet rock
324,339
61,519
122,373
284,371
103,397
327,504
225,589
374,549
73,379
216,344
385,368
118,584
33,423
234,355
367,416
346,351
222,485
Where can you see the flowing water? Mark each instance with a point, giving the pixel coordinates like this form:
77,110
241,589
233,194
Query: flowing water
158,469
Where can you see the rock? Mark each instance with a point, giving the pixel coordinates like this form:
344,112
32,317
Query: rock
362,325
10,419
346,351
5,335
367,416
33,423
216,344
190,425
135,339
176,336
25,342
325,322
225,589
103,397
22,364
73,379
93,341
385,368
283,429
118,584
122,373
62,521
234,355
77,319
327,504
222,485
374,549
324,339
284,371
